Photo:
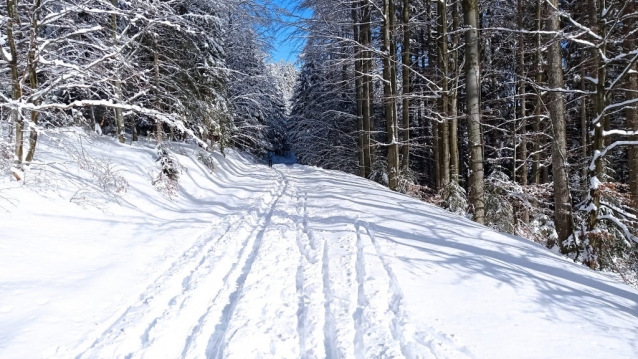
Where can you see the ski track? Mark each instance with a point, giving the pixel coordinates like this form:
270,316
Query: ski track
413,343
178,294
267,282
261,317
311,313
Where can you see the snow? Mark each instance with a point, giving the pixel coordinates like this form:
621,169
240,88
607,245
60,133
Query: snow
594,182
591,79
5,54
289,262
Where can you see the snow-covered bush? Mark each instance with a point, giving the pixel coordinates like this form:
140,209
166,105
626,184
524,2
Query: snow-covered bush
109,184
207,160
6,157
166,181
424,193
379,171
543,229
524,211
499,209
169,164
455,199
406,180
612,244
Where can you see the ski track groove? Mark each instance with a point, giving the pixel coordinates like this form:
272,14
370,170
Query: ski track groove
155,290
301,309
329,326
268,329
340,291
361,301
311,310
211,308
414,344
216,347
376,317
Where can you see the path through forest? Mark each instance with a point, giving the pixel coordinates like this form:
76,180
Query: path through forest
318,269
288,262
271,281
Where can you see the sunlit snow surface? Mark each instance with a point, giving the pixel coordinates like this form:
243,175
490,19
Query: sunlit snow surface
289,262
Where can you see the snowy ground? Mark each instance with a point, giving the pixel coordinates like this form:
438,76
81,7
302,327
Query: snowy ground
289,262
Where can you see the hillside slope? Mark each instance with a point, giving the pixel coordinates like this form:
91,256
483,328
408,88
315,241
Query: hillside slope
289,262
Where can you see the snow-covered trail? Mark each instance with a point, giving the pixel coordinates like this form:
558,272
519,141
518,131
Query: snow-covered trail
331,266
269,282
294,262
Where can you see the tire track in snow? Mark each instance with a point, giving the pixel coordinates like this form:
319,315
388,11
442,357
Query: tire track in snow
333,295
264,321
199,341
224,265
300,282
359,347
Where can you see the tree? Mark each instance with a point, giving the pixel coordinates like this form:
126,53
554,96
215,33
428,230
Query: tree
406,62
632,111
562,197
389,91
444,130
473,90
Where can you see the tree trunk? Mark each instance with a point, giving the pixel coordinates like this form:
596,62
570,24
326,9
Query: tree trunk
358,86
536,165
15,78
562,197
473,90
389,96
405,57
436,138
632,116
453,107
158,122
33,80
33,133
583,117
119,117
368,90
596,173
522,152
443,106
436,154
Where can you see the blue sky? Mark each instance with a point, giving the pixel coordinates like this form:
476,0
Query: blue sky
287,48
